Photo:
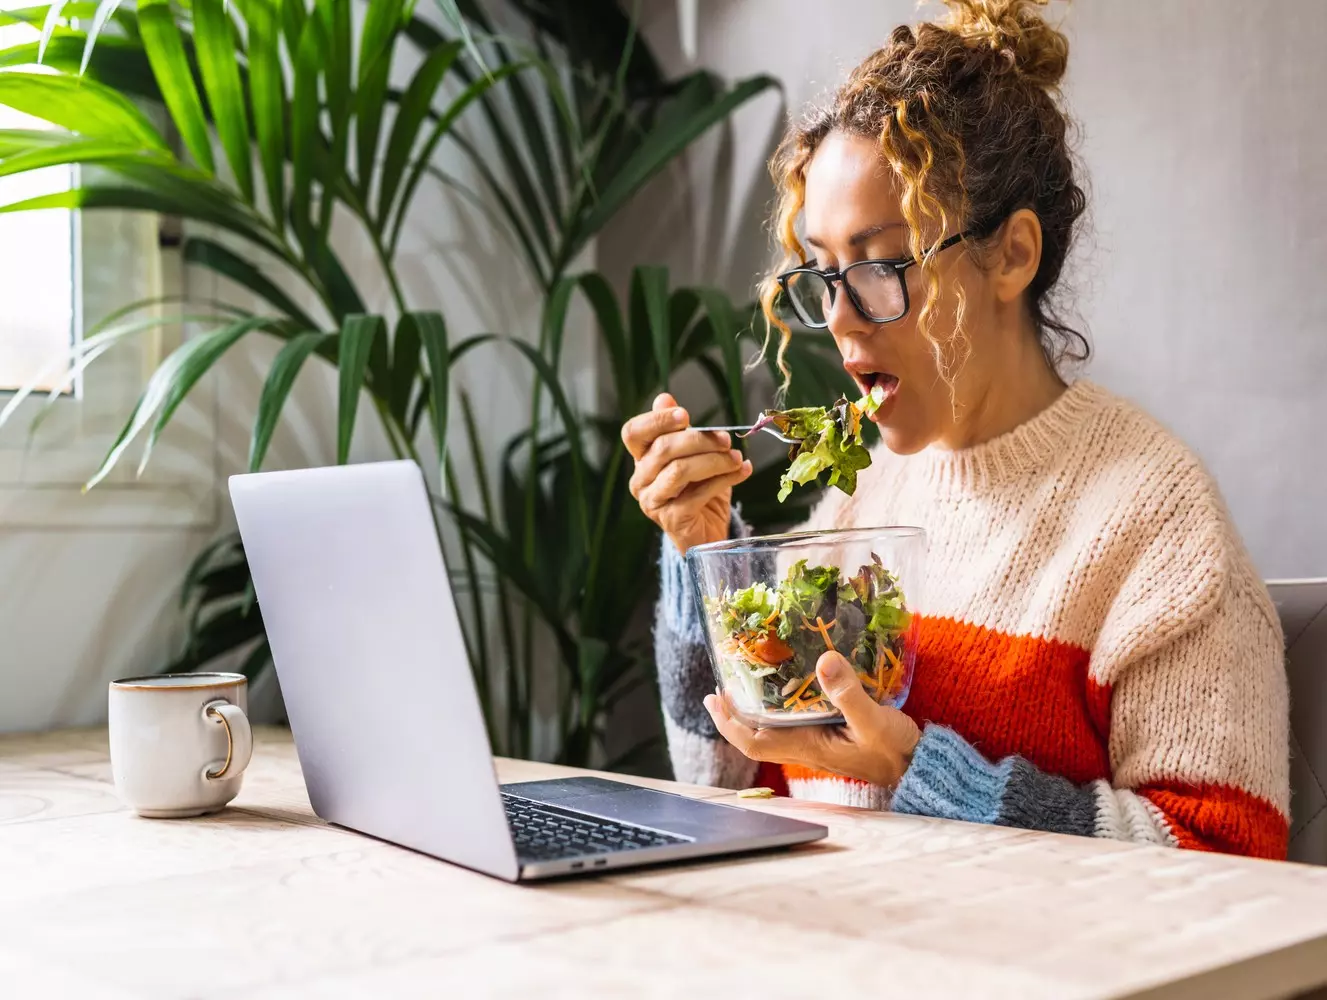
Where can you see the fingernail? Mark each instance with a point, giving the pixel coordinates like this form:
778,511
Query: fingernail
679,414
832,670
737,455
710,702
746,466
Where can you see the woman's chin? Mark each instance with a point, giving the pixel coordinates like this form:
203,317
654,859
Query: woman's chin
900,438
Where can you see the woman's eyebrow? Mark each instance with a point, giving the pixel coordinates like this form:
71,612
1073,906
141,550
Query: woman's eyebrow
862,235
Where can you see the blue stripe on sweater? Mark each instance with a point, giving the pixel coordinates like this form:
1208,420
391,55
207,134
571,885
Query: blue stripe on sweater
677,599
949,779
681,655
677,596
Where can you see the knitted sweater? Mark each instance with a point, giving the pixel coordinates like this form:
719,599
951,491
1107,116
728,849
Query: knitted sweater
1097,654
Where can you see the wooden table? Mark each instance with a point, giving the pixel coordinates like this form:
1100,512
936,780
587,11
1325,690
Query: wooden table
264,900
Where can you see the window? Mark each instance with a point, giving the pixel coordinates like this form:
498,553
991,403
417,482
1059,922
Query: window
60,273
38,255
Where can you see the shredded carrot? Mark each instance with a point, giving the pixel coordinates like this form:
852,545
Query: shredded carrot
893,660
747,651
823,629
797,695
816,704
878,676
772,618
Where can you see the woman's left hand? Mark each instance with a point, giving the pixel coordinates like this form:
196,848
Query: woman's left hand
874,744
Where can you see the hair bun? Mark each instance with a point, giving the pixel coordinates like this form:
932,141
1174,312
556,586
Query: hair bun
1016,31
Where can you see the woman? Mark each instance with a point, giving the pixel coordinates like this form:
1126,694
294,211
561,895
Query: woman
1098,654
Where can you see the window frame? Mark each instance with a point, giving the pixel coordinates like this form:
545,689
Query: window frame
117,257
43,473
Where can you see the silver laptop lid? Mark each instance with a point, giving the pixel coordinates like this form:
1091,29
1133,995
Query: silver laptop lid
367,645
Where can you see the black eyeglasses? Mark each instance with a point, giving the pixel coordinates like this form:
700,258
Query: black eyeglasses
876,288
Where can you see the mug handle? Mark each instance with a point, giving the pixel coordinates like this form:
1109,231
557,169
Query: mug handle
239,738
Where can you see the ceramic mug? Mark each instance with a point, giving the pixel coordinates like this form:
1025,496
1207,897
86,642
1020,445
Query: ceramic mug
179,742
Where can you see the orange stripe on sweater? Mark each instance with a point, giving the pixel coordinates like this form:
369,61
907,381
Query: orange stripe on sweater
1013,694
1211,817
795,772
1009,694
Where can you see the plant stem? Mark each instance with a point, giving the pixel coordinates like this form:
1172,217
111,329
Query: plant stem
390,272
504,599
353,202
600,528
394,438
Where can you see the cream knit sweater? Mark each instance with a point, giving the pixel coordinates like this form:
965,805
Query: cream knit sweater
1097,653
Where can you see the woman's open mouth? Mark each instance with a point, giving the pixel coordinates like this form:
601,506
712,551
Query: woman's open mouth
882,385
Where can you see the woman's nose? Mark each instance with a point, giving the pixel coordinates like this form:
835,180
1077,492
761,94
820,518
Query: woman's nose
843,319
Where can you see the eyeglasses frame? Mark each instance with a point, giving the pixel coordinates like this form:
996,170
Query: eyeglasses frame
833,276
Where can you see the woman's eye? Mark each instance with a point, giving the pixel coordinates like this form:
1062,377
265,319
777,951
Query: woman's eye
874,270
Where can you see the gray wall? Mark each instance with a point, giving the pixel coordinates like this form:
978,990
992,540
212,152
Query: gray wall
1201,280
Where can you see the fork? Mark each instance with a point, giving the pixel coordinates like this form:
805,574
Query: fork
741,431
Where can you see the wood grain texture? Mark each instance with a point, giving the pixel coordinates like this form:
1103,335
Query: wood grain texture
266,899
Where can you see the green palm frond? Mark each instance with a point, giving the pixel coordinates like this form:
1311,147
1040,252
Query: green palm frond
281,117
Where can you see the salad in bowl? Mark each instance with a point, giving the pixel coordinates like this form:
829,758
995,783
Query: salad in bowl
773,605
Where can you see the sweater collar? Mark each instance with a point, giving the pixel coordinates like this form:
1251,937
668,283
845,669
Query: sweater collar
1018,453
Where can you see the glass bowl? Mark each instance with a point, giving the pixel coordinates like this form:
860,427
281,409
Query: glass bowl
773,604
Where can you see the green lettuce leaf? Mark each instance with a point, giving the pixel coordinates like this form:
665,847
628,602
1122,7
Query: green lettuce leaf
746,610
828,441
881,599
803,590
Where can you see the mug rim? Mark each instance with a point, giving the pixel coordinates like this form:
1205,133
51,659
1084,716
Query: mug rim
204,679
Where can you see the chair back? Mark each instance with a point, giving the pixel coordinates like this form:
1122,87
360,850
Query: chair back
1302,605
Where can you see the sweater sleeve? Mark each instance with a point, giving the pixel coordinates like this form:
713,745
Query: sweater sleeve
1198,747
699,755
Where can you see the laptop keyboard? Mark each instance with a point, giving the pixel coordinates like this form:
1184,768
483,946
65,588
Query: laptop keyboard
547,833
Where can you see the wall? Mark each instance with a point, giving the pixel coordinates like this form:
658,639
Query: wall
87,602
1202,290
89,581
1201,282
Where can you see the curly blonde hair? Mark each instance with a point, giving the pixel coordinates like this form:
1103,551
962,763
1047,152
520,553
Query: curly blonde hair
966,112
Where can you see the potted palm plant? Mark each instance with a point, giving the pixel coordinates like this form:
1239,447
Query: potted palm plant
283,115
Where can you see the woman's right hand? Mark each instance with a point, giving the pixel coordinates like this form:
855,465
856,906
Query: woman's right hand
684,479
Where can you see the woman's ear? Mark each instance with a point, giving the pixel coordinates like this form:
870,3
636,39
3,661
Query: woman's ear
1017,255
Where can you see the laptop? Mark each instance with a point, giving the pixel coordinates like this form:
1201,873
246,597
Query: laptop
349,573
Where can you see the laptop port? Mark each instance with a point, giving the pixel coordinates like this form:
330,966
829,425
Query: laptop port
577,864
601,862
